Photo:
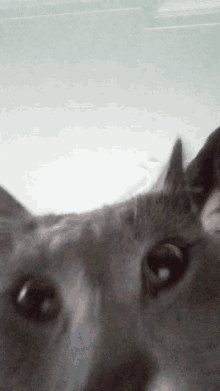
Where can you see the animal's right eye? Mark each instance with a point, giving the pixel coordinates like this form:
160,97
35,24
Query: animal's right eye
36,299
163,266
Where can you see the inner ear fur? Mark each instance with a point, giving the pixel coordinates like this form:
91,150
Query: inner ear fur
210,215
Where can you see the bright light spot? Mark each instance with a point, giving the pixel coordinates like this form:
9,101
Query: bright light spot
163,384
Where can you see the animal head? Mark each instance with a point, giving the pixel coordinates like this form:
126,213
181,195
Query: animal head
122,299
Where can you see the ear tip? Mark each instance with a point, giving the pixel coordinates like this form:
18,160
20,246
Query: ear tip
178,144
10,206
177,151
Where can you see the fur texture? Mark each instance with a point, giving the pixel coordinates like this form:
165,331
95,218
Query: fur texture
124,299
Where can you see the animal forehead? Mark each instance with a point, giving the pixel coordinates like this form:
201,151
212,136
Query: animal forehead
163,215
156,206
97,223
62,246
128,219
51,233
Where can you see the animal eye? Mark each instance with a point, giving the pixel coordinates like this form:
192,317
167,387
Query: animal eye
37,299
163,266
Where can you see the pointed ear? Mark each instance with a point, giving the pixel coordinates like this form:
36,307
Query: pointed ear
172,178
10,207
203,173
175,177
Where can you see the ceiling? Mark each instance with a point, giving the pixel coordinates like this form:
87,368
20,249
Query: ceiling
156,14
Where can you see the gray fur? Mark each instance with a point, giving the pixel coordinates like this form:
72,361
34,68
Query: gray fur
123,299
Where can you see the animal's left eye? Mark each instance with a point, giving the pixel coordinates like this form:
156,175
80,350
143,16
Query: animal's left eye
163,266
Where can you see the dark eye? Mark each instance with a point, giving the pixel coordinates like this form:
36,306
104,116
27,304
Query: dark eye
163,266
36,299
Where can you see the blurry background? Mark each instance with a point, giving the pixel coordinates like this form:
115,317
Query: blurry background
93,95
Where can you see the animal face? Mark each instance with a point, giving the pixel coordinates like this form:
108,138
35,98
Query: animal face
124,299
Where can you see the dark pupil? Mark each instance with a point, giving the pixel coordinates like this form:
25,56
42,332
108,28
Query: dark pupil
37,300
164,262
